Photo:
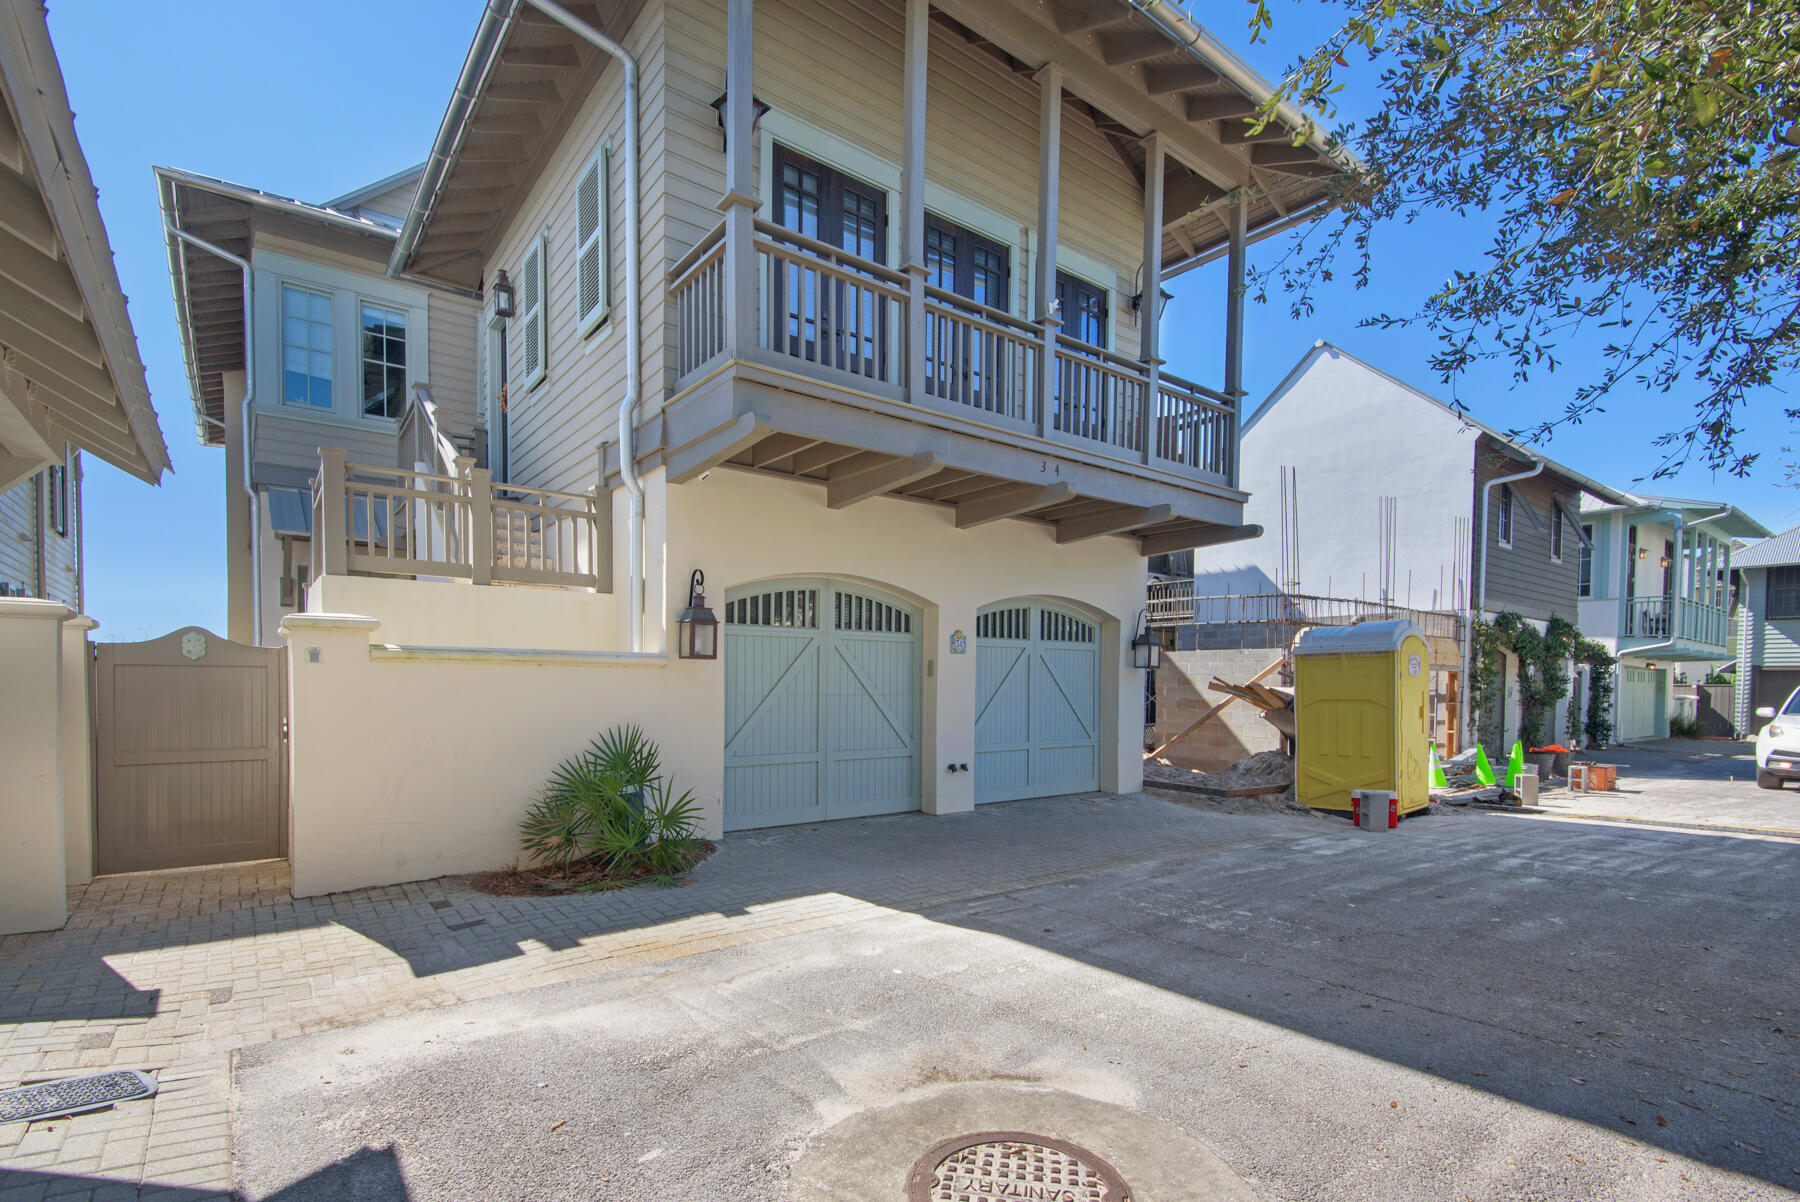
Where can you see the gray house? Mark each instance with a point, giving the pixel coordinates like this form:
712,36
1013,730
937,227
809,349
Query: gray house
1768,626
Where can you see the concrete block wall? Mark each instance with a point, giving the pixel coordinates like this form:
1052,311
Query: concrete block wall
1182,695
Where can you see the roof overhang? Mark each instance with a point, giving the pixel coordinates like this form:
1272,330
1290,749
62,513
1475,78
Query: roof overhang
1131,67
209,290
69,364
1498,443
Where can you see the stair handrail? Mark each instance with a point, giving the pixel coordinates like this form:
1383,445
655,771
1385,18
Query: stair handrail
422,432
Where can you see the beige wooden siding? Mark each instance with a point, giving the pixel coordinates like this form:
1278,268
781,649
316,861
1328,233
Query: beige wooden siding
22,509
289,440
394,202
553,429
318,253
450,366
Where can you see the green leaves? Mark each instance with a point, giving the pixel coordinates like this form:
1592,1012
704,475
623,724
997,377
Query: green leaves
611,807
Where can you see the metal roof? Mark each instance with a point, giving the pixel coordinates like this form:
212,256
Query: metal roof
1782,549
1732,522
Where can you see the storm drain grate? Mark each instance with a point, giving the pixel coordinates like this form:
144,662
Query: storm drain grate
72,1095
1007,1166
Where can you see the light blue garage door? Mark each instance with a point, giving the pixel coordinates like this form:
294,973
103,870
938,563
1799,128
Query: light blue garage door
821,703
1037,702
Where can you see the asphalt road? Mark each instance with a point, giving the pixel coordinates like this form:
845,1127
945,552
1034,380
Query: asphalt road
1475,1006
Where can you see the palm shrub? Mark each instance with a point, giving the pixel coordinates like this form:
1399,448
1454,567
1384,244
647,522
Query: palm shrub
611,808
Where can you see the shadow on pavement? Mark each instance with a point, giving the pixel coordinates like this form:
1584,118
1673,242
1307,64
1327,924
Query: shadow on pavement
371,1175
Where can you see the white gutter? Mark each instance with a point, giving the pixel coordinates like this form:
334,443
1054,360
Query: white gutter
1681,527
1480,607
634,340
246,414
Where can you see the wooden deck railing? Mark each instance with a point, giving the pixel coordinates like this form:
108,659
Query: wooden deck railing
1654,618
386,521
844,319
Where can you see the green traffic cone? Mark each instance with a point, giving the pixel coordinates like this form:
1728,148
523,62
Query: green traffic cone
1484,771
1515,765
1437,771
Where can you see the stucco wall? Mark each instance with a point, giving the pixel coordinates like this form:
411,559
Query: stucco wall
458,614
32,852
1182,695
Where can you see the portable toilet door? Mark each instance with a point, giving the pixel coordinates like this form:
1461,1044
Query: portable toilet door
1361,696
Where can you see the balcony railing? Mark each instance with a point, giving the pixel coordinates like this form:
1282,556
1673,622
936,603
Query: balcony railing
1653,618
385,521
1173,603
845,320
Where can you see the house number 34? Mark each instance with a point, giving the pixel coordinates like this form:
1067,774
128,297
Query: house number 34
1045,467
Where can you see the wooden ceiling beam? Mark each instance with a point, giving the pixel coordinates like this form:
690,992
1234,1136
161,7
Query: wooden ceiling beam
557,55
1016,501
525,93
1118,521
1130,47
1163,78
1194,535
1280,156
1083,16
846,490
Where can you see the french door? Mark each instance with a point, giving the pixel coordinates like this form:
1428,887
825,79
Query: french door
825,317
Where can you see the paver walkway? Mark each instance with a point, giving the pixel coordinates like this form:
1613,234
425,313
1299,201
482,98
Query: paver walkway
170,972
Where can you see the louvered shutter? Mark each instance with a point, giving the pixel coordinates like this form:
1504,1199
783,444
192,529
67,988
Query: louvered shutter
531,314
593,244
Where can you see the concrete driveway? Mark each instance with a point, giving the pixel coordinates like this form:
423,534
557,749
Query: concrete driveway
1682,783
1474,1006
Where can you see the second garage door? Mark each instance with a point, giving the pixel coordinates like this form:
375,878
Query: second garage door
1037,702
821,703
1640,704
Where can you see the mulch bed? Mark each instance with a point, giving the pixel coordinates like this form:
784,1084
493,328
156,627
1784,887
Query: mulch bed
582,877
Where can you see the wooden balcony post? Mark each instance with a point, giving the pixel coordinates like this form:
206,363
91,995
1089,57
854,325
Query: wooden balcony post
912,193
481,526
1236,216
739,202
1050,80
334,533
1150,304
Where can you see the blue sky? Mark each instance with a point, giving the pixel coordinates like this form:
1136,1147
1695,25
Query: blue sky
317,99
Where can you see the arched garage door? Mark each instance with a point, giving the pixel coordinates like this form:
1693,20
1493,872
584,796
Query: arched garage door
1037,701
821,703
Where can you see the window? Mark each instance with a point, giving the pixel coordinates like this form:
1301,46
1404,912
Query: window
1631,561
961,364
962,261
534,337
830,207
305,347
1668,567
1506,515
593,243
383,361
1084,310
1585,587
1784,592
827,205
56,499
1556,532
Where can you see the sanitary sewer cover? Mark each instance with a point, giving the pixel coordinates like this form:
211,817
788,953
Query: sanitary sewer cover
1007,1166
73,1095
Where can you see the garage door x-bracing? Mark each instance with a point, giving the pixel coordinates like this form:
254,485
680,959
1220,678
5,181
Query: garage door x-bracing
821,703
1037,702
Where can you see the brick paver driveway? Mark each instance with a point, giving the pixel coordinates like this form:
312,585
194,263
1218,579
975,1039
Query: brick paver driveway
173,972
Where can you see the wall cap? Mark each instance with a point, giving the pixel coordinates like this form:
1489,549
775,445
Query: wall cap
329,623
81,622
34,607
517,655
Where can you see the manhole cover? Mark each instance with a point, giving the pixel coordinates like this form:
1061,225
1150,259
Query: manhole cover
1007,1166
72,1095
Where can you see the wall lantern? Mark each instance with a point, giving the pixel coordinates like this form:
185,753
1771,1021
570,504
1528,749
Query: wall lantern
699,629
1643,552
1665,561
1146,648
503,297
757,109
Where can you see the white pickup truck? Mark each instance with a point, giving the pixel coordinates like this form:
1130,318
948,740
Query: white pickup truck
1778,744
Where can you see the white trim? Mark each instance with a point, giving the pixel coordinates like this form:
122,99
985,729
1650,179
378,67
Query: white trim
1506,518
600,165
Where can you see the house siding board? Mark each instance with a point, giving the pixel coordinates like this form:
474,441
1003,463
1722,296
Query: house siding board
22,509
18,534
394,202
1523,578
285,439
450,361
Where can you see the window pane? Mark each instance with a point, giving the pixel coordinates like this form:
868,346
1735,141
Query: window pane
321,391
319,307
293,301
293,386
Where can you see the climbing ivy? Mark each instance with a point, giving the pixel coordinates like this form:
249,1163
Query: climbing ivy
1600,690
1542,668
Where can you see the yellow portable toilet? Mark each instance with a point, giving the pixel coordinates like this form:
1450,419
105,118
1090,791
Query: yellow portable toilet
1360,696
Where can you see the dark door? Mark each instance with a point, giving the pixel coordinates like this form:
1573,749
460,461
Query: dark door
826,318
963,363
1084,394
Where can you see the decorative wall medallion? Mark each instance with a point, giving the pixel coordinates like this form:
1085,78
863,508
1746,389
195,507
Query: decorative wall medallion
193,644
959,643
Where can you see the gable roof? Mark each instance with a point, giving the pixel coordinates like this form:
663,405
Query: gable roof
1726,519
69,364
1779,551
1321,348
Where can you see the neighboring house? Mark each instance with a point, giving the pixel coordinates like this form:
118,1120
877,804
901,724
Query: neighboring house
1655,591
1768,643
844,314
1384,486
71,384
345,357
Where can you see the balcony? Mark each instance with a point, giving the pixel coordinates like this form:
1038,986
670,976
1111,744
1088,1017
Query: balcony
845,368
1660,620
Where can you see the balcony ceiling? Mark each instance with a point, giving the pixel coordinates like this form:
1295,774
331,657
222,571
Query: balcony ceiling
1123,73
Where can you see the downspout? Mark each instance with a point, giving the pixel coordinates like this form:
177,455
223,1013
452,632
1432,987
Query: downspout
1480,606
245,419
1681,528
634,341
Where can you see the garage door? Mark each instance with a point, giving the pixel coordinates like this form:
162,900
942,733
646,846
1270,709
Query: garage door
821,703
1640,700
1037,702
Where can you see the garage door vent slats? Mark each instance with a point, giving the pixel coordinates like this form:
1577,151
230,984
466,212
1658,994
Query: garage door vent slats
1011,623
795,607
869,616
1062,628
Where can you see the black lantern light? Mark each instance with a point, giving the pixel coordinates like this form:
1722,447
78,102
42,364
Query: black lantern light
699,629
503,297
1146,648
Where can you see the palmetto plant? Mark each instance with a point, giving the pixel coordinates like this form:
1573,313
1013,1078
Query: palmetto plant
611,807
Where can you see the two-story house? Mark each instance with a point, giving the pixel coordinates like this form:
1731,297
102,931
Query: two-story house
295,339
1768,626
1375,493
850,311
1656,592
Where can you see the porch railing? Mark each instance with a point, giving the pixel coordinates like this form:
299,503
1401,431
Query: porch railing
824,312
386,521
1653,618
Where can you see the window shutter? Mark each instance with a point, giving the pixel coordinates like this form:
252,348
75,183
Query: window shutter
533,346
593,243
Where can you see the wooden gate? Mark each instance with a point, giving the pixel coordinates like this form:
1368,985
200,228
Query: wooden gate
190,759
